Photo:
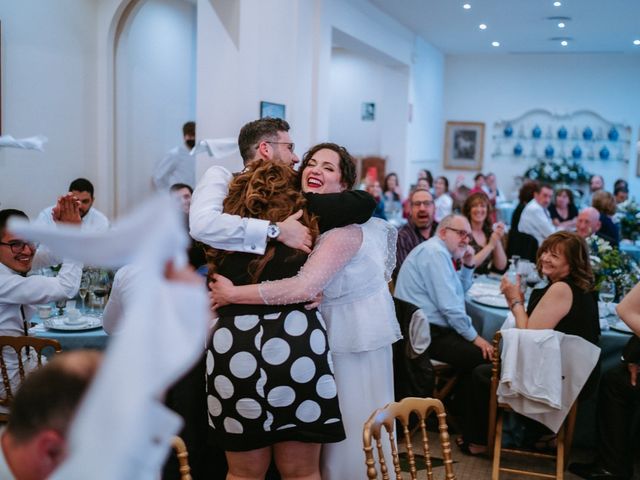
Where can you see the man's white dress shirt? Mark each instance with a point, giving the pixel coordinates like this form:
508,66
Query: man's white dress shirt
93,221
209,225
536,221
177,166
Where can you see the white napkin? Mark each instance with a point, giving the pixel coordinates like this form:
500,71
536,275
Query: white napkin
216,147
29,143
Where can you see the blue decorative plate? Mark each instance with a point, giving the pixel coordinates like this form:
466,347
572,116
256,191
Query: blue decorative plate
517,150
587,133
536,132
576,152
562,133
548,152
508,130
613,134
604,153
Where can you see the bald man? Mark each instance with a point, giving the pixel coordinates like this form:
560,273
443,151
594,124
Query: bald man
588,223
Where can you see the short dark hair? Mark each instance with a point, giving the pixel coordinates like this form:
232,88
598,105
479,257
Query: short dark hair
81,185
567,191
620,189
49,397
255,132
189,128
478,175
347,162
6,214
179,186
540,186
529,187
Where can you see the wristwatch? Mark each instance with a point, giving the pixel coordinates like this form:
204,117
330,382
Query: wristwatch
273,232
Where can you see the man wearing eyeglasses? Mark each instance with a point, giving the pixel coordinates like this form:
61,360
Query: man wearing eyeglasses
18,292
420,227
429,280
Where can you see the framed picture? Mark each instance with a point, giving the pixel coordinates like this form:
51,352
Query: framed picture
368,113
464,145
273,110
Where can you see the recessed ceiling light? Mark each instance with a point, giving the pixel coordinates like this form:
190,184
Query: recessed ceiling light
564,43
495,44
466,6
636,42
557,4
482,26
562,25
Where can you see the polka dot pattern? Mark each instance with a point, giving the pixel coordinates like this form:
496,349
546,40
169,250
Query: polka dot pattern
296,323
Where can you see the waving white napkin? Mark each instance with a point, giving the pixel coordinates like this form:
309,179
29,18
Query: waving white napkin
122,430
216,147
29,143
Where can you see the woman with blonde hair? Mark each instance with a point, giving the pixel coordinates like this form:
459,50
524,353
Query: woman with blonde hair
605,203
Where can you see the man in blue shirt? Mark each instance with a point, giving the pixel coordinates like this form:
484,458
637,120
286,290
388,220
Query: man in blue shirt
429,280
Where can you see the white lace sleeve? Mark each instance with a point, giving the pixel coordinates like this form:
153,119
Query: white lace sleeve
334,250
390,251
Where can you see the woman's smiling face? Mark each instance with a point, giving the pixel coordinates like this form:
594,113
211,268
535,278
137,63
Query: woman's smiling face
322,173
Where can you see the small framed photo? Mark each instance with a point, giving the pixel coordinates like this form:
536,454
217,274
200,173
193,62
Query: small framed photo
273,110
368,113
464,145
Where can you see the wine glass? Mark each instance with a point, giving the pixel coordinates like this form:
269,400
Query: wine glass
607,294
60,304
84,289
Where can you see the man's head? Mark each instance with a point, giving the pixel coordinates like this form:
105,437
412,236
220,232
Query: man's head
267,139
182,193
479,180
491,181
596,183
454,230
422,208
588,222
543,195
621,194
189,134
35,441
15,253
82,189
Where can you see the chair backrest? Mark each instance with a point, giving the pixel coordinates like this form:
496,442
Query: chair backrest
183,458
493,396
385,419
33,346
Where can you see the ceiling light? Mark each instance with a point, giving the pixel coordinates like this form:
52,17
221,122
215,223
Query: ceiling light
482,26
466,6
636,42
495,44
557,4
561,25
564,43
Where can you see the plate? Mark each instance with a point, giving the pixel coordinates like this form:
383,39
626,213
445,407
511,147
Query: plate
621,327
491,301
60,323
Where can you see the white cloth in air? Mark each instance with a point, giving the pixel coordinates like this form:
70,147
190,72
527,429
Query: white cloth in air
30,143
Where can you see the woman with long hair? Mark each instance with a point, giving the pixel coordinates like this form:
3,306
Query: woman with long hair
486,238
270,384
563,210
352,267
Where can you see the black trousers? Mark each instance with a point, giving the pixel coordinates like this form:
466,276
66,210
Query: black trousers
449,347
617,403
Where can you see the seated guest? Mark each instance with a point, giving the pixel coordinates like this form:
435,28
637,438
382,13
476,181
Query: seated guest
563,211
479,182
491,189
424,175
460,193
392,195
92,218
605,203
485,239
443,201
372,186
596,183
566,304
19,293
621,194
618,402
420,227
182,193
519,243
588,223
535,219
428,280
621,182
34,443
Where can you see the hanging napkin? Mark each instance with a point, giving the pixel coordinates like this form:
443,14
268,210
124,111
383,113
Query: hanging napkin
29,143
216,147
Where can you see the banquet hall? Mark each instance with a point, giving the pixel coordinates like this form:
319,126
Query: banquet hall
544,90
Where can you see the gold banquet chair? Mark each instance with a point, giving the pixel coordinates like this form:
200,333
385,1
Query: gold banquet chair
183,458
496,414
18,344
386,418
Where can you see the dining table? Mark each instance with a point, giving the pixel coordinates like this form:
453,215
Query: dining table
71,336
631,248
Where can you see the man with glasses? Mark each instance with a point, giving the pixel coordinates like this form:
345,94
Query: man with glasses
420,227
18,292
428,279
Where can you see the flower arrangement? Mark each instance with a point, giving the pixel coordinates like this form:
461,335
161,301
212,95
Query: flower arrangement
558,171
629,217
612,265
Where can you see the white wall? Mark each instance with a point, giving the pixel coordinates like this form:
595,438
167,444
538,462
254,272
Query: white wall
155,91
48,87
491,88
354,80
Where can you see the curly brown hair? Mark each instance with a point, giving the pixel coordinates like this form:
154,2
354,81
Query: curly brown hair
576,252
347,162
479,197
266,190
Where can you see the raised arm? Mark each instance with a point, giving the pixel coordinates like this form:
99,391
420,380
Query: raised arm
332,253
341,209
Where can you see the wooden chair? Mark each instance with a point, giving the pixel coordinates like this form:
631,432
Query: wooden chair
183,458
386,417
496,411
31,344
446,377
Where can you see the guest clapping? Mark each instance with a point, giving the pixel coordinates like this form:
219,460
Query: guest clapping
486,239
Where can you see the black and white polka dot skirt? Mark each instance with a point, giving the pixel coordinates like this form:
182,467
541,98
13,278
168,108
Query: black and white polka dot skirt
270,379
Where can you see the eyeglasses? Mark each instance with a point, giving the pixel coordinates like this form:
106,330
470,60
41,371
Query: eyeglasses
290,145
418,203
463,234
17,246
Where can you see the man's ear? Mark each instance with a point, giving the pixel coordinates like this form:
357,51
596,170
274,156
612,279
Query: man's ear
264,150
51,449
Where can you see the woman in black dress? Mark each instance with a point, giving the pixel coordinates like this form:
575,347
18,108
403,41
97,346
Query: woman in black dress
486,237
270,384
563,211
